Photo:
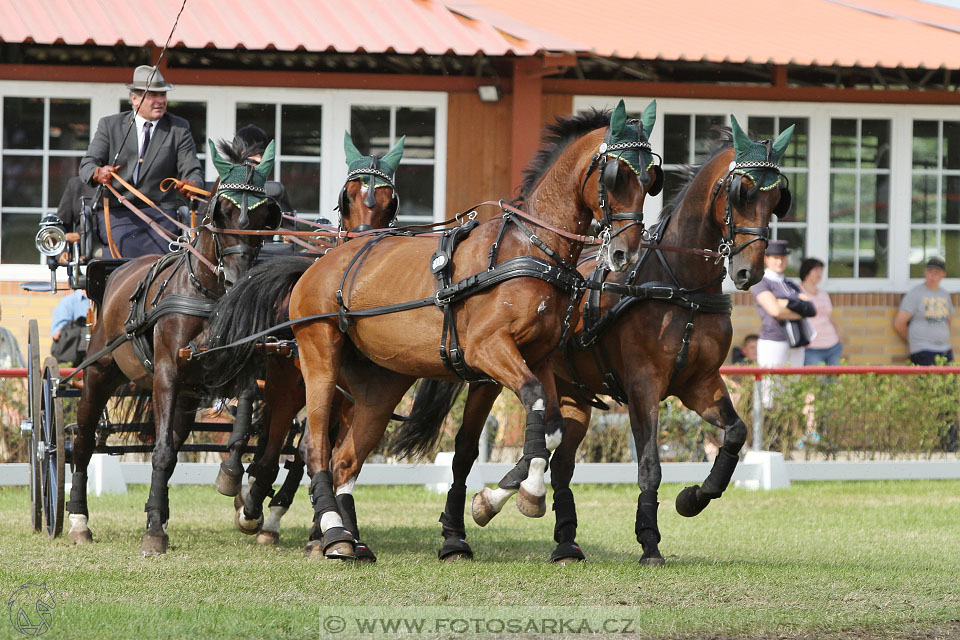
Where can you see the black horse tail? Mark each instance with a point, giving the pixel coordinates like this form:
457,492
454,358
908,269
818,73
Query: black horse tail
257,302
417,436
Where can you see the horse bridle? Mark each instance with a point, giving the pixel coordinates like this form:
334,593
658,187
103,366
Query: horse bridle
370,199
733,181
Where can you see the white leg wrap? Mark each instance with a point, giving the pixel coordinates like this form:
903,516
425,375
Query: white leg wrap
272,523
539,405
347,487
330,519
534,483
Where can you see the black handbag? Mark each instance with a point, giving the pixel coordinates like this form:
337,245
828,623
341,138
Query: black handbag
72,344
799,332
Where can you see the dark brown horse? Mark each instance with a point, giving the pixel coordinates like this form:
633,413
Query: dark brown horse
164,303
486,323
367,201
668,337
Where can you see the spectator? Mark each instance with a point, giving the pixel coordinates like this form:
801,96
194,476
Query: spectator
923,320
779,302
160,146
746,353
10,355
68,328
826,346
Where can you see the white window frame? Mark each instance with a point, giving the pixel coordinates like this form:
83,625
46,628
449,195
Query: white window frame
819,115
221,123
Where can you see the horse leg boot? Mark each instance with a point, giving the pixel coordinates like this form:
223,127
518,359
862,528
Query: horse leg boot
348,511
692,500
231,470
249,518
648,533
270,533
565,529
525,479
454,531
329,538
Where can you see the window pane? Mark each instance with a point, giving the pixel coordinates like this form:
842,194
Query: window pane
875,144
925,140
798,194
300,133
419,124
22,181
950,248
843,194
797,240
951,200
923,246
17,231
261,115
23,123
676,139
61,170
69,124
874,199
705,135
840,260
797,150
873,252
370,129
951,146
760,127
415,187
196,114
843,143
302,181
923,208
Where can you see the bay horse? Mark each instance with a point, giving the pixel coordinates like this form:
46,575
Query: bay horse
154,305
380,337
668,336
367,201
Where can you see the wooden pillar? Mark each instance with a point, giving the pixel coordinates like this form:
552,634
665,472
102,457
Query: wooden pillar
525,116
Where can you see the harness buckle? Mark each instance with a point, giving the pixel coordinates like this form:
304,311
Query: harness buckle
723,251
442,302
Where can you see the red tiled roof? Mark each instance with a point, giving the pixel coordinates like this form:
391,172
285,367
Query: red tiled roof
887,33
401,26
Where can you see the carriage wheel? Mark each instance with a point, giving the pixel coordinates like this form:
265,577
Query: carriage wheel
52,449
33,414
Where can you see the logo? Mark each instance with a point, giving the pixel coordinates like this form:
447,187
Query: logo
31,609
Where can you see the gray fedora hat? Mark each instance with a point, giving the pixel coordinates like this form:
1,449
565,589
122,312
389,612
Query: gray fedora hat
142,74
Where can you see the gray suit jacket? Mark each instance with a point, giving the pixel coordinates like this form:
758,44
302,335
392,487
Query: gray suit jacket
170,154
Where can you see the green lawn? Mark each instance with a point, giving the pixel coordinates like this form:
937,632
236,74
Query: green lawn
831,560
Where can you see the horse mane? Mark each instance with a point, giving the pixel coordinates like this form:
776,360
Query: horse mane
236,151
720,142
556,137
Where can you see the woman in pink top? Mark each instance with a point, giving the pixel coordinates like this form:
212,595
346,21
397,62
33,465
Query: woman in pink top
826,347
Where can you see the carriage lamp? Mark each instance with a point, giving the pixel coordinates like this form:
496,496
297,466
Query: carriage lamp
489,92
51,239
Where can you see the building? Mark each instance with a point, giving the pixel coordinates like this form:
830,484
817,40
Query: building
872,87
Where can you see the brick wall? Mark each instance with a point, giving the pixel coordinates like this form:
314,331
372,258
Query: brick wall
865,321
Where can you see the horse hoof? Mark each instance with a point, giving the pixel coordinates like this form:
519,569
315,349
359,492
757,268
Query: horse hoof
339,551
314,549
565,561
80,537
248,527
567,553
530,505
457,556
481,508
363,553
268,538
690,503
227,484
238,500
153,545
652,562
454,550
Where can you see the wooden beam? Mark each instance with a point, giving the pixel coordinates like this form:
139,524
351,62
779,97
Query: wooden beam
241,78
779,75
525,115
627,88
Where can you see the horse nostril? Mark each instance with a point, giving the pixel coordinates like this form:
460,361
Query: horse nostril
743,275
619,257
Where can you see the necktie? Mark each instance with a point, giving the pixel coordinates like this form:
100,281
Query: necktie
143,150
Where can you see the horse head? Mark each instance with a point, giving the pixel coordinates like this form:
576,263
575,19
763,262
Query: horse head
369,198
745,197
241,202
626,172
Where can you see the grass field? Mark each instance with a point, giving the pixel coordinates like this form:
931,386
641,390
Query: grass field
850,560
